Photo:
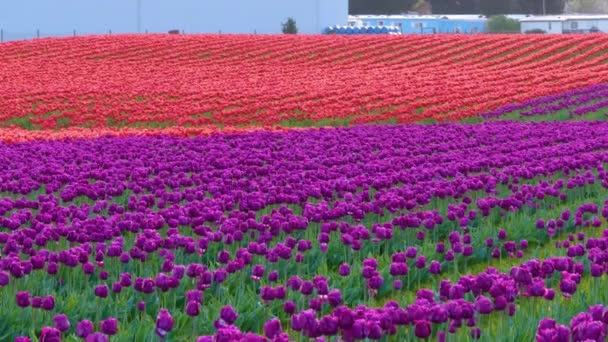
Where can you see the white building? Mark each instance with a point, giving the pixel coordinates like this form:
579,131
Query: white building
566,23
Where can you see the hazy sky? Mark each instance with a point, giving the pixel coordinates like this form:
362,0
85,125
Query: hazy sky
60,17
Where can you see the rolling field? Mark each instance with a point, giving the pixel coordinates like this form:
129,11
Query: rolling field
192,85
295,188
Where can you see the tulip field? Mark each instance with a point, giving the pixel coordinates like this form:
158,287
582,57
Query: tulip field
304,188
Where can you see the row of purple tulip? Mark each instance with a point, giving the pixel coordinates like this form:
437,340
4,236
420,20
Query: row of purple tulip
146,217
577,102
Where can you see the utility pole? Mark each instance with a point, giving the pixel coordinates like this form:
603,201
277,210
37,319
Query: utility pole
544,7
138,16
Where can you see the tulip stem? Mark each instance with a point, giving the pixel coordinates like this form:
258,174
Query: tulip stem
33,317
193,326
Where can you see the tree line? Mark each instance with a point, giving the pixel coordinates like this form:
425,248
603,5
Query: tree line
487,7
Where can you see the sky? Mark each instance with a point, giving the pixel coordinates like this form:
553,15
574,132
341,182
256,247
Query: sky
62,17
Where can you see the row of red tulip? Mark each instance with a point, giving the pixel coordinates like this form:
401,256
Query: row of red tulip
213,81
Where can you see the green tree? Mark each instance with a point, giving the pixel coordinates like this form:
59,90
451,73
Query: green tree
496,7
290,27
536,6
456,6
500,23
588,6
379,6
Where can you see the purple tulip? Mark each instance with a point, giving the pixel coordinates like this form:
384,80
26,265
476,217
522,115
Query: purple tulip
420,262
84,328
289,307
257,272
435,267
61,322
23,299
49,334
194,295
101,291
109,326
48,303
440,248
344,270
4,278
228,315
37,302
125,280
502,234
422,329
272,328
193,308
88,268
97,337
116,287
334,297
483,305
164,323
307,288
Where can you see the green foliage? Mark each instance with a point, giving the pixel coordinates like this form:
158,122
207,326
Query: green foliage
380,6
537,30
290,27
502,24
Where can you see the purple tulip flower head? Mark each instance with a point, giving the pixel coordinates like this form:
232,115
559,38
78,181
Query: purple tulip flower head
334,297
97,337
48,334
257,272
116,287
483,305
502,234
228,315
101,291
194,295
23,299
272,328
475,333
440,248
125,280
289,307
48,303
435,267
4,278
109,326
164,323
422,329
344,270
62,323
193,308
84,328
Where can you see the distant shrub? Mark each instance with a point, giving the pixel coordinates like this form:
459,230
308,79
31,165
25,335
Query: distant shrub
502,24
290,27
536,31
